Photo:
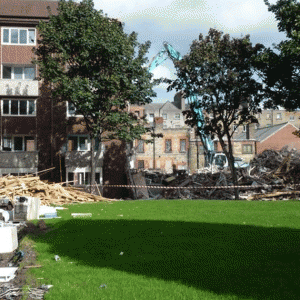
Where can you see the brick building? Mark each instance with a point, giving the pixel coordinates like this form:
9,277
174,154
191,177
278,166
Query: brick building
270,137
37,132
179,148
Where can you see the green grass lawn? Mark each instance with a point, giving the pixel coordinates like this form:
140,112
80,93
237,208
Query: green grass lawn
173,249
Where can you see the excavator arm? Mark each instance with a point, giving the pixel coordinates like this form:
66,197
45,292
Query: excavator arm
169,52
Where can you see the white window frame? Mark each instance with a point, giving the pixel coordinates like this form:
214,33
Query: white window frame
12,141
78,145
13,71
149,118
245,146
18,115
182,150
83,179
244,128
292,118
278,116
18,28
72,115
177,116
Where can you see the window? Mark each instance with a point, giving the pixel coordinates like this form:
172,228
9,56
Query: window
177,116
71,110
140,147
141,164
278,116
182,145
247,149
244,128
200,149
256,125
168,146
151,118
18,107
83,143
235,128
18,73
292,118
7,144
18,36
18,143
29,143
268,116
78,143
164,116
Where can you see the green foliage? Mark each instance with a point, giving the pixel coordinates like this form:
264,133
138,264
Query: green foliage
279,67
218,74
89,61
219,71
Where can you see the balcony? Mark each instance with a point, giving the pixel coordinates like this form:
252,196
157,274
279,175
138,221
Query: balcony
82,159
10,87
20,160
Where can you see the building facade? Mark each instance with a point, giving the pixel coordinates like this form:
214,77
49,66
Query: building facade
39,133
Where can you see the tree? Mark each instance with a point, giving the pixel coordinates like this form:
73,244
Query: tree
280,66
89,61
219,71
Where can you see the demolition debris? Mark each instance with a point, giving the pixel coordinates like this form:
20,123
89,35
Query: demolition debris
48,193
271,175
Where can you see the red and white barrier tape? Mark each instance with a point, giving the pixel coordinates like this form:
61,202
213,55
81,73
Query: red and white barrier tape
198,187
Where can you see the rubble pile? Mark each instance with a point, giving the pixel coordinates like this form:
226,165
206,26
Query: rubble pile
48,193
271,175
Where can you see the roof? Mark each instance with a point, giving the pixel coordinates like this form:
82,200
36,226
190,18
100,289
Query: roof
27,9
263,133
153,106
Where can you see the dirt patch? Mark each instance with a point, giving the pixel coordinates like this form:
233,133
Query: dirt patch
17,259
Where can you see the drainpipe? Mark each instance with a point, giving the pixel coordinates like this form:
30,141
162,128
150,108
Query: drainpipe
51,149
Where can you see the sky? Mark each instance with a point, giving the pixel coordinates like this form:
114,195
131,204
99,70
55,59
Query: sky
179,22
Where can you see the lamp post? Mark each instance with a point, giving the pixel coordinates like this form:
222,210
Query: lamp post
153,129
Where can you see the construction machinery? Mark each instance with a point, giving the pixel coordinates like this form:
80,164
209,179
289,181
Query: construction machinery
211,158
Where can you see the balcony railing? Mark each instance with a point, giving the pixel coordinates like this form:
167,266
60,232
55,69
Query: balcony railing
24,159
10,87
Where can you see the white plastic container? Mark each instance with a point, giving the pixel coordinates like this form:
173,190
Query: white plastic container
8,238
7,274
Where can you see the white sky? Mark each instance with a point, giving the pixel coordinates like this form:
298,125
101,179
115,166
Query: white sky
179,22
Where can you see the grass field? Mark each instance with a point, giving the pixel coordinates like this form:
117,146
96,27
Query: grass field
173,249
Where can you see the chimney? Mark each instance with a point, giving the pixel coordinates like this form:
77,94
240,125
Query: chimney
250,131
179,101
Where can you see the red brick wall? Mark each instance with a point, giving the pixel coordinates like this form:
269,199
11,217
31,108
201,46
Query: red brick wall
282,138
17,54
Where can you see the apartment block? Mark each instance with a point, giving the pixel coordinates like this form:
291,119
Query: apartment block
37,132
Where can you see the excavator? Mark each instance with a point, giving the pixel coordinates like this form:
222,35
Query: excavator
211,157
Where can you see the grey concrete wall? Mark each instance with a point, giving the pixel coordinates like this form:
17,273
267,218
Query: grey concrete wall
81,159
19,159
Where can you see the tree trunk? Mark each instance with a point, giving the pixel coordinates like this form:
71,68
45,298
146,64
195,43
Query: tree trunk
234,176
92,183
230,158
232,169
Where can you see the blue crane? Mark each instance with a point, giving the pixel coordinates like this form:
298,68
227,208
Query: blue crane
169,52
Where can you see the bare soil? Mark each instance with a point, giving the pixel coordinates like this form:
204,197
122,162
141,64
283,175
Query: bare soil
8,259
